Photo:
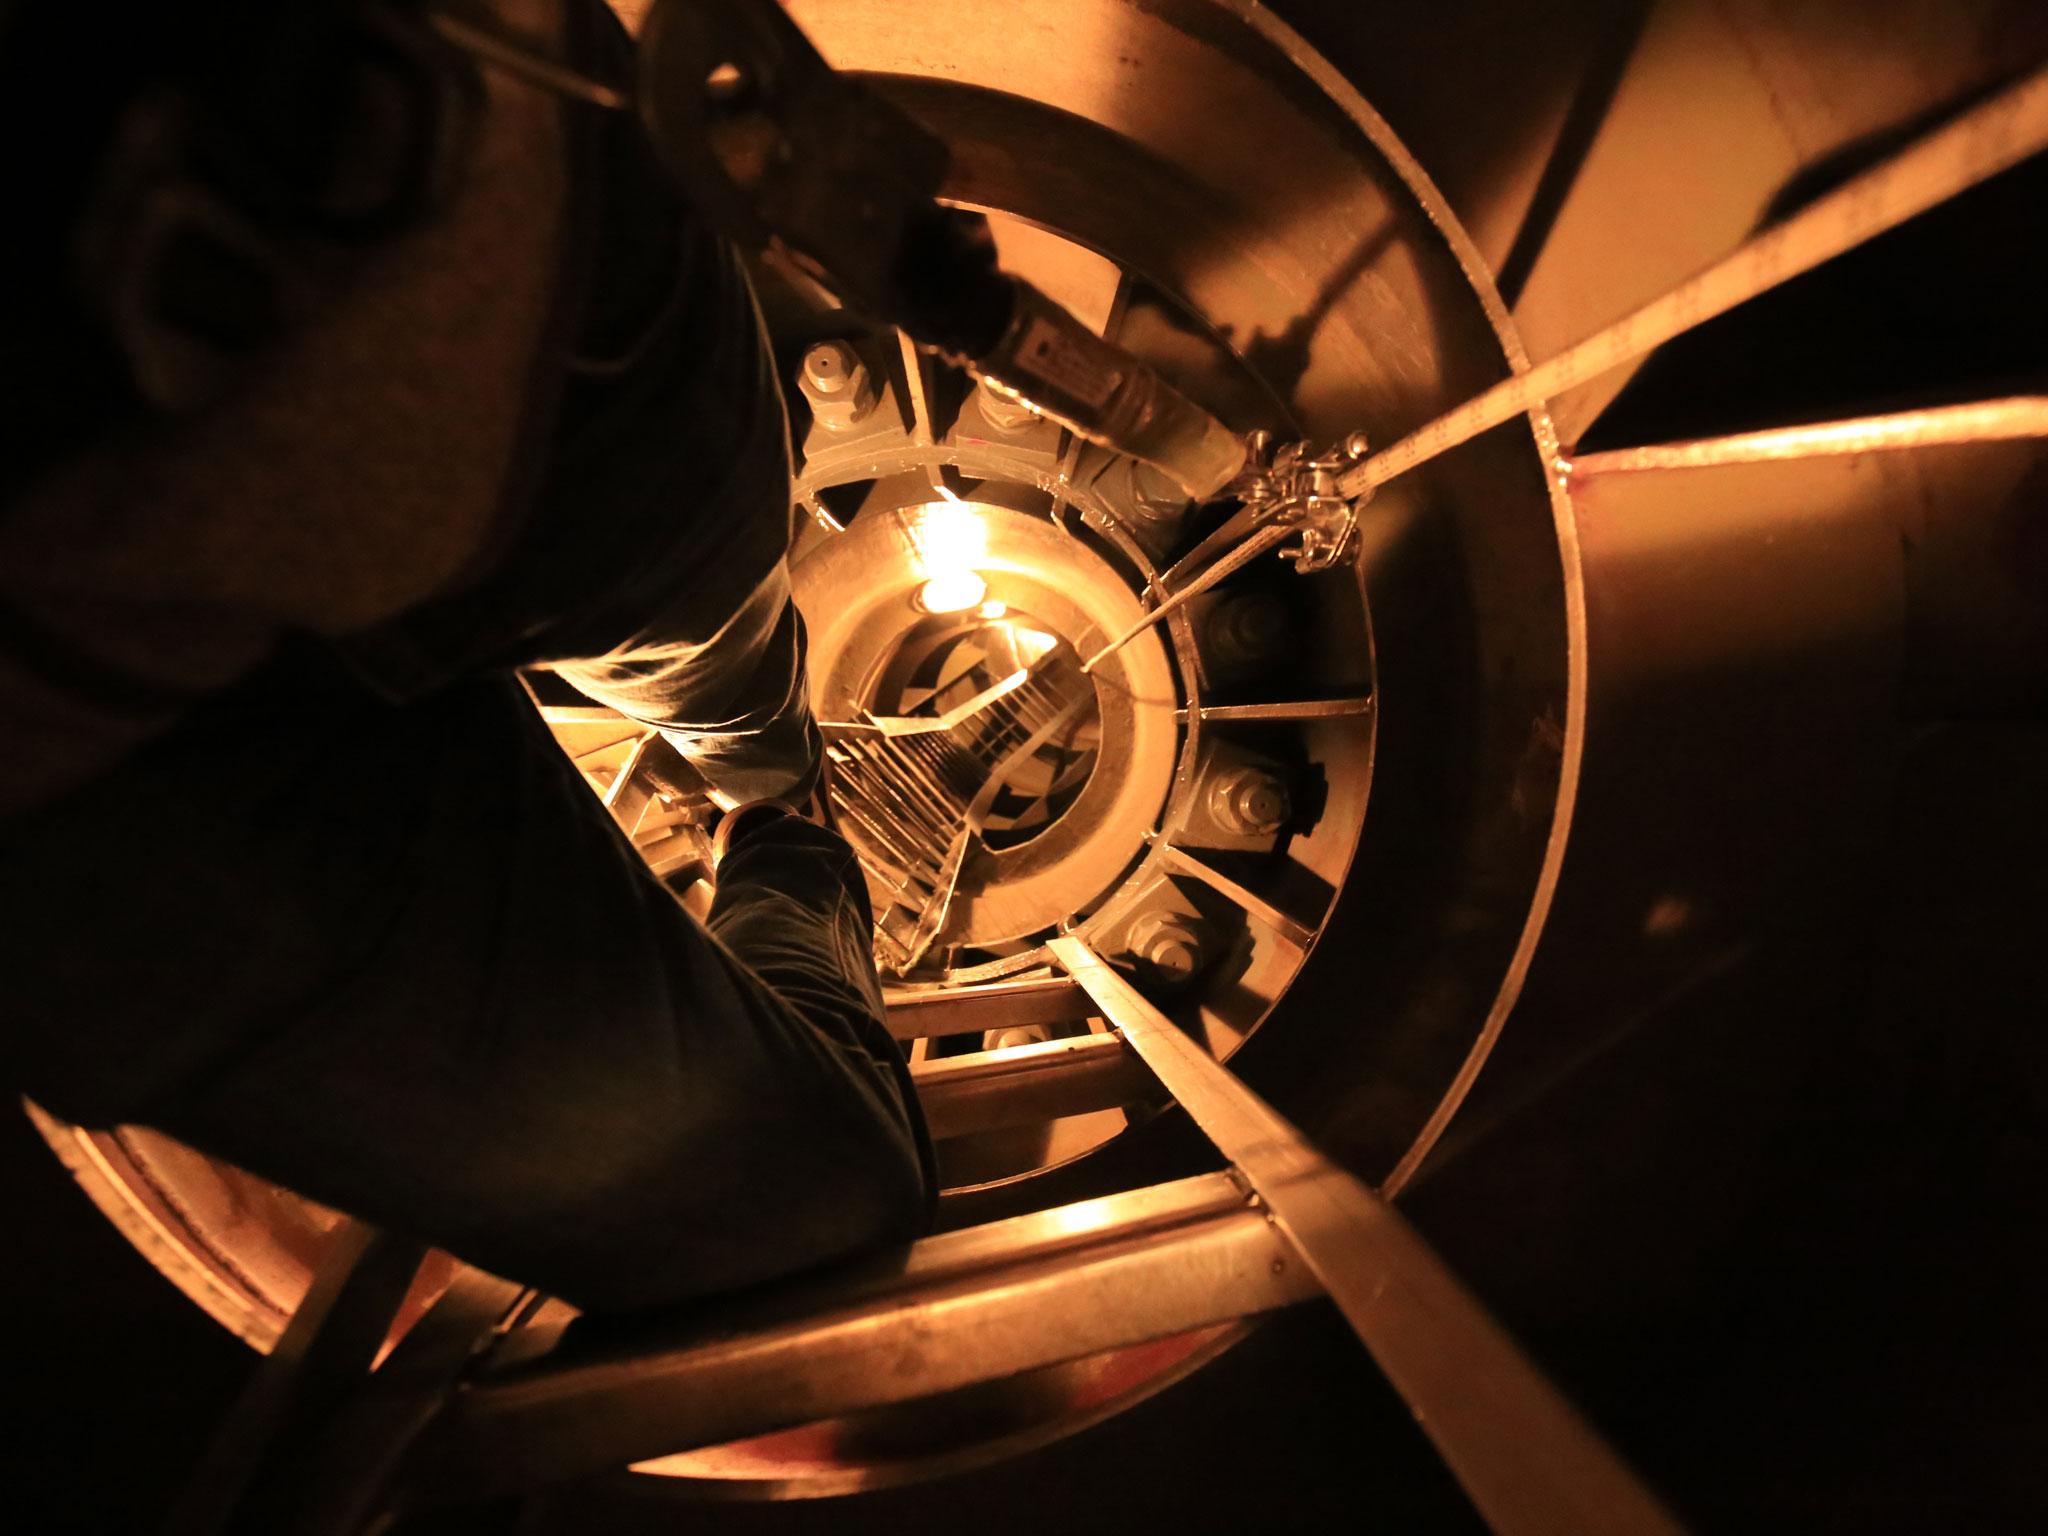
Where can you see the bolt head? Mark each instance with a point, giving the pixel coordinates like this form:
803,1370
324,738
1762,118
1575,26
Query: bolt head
1005,413
1155,498
829,367
1174,958
1249,801
1248,629
1169,944
835,382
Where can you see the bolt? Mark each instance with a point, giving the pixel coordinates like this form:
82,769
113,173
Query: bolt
1022,1034
1167,942
835,382
1248,629
1248,801
1004,412
1154,498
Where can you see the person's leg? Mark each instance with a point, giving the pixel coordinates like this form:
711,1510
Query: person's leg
736,705
401,960
683,462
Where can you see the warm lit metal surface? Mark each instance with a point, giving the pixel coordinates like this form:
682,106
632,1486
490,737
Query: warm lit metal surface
1209,576
1986,421
996,1005
1527,1459
1028,1084
874,649
1976,145
1275,267
1292,929
1289,709
965,1307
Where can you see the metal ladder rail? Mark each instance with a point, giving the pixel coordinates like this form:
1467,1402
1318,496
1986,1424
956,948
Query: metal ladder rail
992,1301
491,1394
1524,1456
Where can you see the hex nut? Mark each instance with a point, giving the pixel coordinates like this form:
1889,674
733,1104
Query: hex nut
835,382
1247,629
1154,499
1004,412
1168,943
1248,801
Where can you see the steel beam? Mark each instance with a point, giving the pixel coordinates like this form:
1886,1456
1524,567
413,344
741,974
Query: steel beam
953,1310
1527,1460
970,1010
1283,710
1028,1084
1290,928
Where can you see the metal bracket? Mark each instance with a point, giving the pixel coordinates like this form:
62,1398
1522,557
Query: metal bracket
1290,487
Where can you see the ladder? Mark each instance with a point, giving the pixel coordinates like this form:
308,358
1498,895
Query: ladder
492,1394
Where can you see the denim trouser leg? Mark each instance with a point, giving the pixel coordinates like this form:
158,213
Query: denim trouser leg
399,958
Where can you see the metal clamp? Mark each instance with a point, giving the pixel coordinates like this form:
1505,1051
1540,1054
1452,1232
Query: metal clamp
1290,487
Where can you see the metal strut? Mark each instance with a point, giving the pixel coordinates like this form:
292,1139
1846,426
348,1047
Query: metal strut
1523,1454
1321,494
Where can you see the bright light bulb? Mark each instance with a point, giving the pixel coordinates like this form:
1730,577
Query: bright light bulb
993,609
950,536
952,592
950,540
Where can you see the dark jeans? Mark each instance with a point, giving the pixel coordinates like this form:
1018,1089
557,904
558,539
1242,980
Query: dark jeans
399,958
382,944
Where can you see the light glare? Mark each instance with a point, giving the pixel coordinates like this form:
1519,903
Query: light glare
952,592
950,537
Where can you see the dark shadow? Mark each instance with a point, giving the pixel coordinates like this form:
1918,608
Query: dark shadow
1583,119
1944,308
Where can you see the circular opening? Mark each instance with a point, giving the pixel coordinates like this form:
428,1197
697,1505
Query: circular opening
1037,721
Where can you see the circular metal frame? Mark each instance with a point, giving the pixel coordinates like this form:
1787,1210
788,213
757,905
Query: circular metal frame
1336,275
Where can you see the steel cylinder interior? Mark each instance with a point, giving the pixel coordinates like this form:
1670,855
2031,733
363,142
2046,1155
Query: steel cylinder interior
1320,815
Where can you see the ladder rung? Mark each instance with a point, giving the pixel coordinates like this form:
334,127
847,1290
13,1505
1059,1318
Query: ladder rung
1000,1005
951,1311
1029,1084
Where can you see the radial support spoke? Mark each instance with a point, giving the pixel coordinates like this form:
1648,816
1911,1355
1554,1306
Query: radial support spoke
1243,555
1291,929
1523,1454
2022,416
917,387
1970,148
1275,710
583,714
1119,308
